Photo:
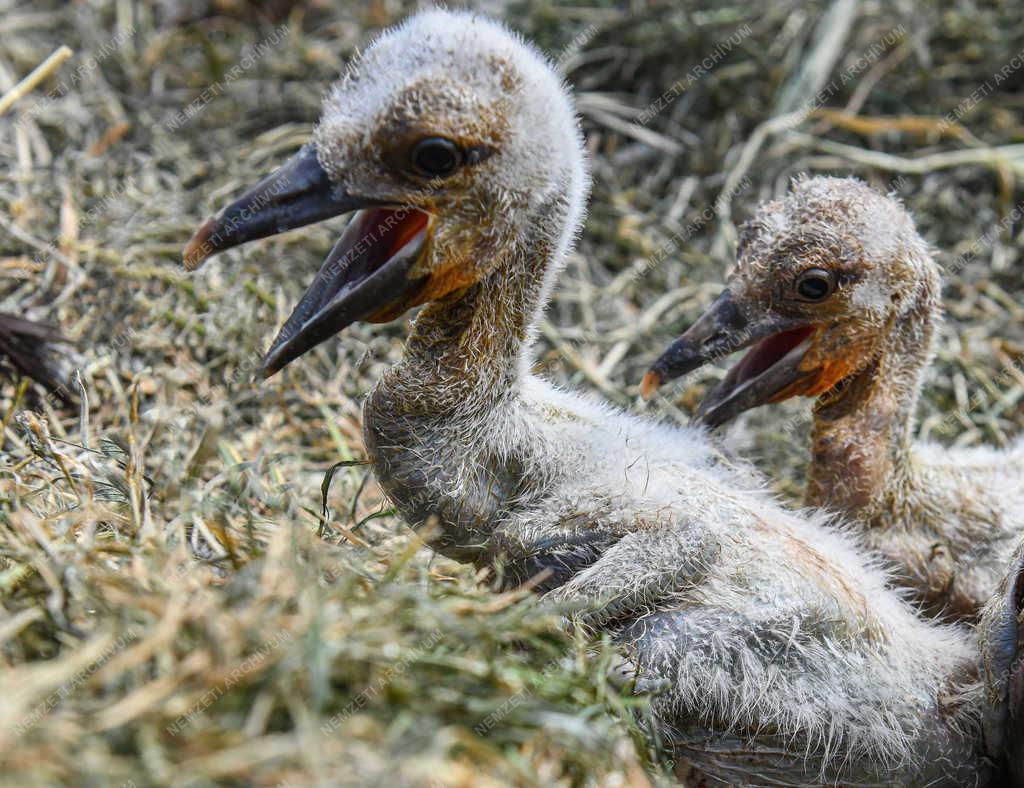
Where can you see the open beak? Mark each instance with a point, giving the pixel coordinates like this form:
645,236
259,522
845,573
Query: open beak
771,371
367,275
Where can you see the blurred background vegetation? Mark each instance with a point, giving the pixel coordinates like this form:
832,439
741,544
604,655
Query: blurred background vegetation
177,608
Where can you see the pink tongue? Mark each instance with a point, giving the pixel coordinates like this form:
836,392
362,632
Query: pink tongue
768,352
392,228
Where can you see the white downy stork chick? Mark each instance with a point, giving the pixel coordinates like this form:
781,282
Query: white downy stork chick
838,298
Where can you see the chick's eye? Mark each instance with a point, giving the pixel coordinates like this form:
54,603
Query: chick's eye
815,284
436,157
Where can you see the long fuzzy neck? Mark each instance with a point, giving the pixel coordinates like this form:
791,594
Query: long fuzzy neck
439,427
861,456
472,348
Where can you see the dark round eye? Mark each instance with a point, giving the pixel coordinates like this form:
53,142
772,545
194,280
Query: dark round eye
436,157
815,284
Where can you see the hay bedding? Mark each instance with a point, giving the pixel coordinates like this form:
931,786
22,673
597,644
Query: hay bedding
176,609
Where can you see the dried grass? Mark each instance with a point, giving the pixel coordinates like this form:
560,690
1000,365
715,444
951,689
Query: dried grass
171,612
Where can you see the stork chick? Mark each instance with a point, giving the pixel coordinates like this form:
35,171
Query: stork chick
1001,637
784,656
838,297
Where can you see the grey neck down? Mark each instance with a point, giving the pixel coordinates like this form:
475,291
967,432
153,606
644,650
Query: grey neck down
442,426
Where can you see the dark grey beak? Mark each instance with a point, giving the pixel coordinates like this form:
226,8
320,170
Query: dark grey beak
771,367
719,332
296,194
365,277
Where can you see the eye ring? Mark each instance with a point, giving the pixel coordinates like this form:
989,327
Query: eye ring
436,157
815,284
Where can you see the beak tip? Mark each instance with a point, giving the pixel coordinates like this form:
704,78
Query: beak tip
267,369
197,249
650,384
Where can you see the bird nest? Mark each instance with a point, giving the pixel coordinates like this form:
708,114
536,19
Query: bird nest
201,584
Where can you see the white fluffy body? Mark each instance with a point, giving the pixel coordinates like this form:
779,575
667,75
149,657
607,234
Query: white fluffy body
781,654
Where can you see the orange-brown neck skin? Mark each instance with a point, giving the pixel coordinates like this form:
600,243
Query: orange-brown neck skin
860,443
862,431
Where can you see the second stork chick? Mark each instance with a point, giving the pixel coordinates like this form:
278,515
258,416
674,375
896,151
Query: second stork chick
838,298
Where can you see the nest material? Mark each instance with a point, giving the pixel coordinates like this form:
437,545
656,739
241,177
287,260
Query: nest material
176,611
